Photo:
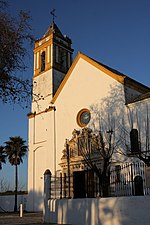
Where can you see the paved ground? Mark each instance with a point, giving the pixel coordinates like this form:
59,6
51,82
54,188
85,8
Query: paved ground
15,219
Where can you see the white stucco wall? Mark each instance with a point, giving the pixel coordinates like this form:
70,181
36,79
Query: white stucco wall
56,79
42,91
86,86
99,211
41,138
40,157
139,113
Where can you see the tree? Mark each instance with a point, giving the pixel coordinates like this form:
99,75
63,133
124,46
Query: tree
15,149
100,144
94,151
2,156
97,150
14,37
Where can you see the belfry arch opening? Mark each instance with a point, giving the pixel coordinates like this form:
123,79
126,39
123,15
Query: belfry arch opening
43,61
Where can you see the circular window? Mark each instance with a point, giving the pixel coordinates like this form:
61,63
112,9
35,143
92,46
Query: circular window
83,117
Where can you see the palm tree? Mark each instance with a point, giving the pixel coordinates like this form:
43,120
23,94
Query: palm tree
15,150
2,156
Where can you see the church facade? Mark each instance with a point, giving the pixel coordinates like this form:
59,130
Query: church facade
68,96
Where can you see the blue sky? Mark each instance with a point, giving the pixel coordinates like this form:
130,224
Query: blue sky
116,33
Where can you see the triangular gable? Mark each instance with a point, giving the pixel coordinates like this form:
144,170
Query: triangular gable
120,77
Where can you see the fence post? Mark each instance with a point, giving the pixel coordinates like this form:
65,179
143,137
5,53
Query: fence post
132,182
61,187
68,165
21,210
47,191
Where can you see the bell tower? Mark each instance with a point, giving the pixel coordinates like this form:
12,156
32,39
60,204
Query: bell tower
52,59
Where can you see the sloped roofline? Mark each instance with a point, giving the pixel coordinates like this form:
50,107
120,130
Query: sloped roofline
145,96
120,77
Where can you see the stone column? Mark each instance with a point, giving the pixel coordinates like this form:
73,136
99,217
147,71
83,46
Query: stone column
47,193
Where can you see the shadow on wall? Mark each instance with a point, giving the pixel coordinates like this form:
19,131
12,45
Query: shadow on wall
84,211
108,211
100,211
35,202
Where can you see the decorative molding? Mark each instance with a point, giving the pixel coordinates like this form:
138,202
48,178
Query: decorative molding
79,117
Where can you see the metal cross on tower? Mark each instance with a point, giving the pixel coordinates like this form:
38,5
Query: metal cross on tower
53,14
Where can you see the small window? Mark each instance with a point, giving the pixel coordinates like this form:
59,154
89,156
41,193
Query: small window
83,117
43,61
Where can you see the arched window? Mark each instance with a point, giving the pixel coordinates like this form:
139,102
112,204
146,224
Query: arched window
43,61
138,186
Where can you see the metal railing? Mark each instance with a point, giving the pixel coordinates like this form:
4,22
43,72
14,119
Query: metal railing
128,180
125,180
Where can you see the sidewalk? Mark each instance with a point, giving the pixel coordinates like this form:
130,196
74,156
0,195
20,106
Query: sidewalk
27,219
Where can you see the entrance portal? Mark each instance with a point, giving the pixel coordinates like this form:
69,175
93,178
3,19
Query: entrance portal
79,184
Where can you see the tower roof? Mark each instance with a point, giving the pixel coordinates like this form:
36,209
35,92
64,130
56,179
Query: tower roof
53,29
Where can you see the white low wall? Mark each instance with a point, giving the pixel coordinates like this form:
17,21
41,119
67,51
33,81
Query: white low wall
7,202
133,210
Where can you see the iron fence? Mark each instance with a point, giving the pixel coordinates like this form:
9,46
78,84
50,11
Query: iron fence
129,179
125,180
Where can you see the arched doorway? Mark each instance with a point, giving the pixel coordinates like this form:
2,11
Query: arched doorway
138,186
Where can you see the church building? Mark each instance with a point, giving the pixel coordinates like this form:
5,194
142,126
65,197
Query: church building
67,95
